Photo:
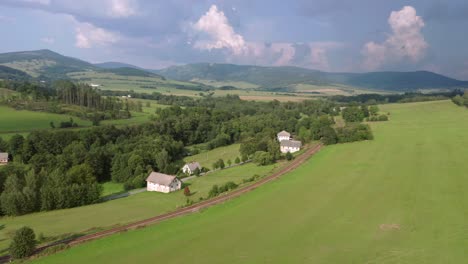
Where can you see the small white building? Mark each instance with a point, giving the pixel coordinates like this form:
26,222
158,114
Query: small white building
190,168
3,158
160,182
283,135
290,146
94,85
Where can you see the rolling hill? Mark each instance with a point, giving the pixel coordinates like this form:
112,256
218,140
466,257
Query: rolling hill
7,73
115,65
278,77
46,64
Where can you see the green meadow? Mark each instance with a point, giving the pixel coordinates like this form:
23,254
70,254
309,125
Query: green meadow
23,121
12,120
401,198
58,224
207,158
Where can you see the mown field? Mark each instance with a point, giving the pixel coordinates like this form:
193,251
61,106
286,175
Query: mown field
400,198
110,81
63,223
23,121
12,120
206,159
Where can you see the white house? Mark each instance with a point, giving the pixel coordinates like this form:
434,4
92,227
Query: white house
283,135
3,158
159,182
290,146
190,168
94,85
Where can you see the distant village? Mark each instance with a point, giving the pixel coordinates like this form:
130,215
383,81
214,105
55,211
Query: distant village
160,182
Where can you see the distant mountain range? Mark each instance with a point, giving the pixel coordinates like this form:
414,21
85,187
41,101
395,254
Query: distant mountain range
46,64
277,77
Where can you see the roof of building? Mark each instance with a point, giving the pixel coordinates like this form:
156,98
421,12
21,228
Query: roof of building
284,134
3,155
160,178
291,143
193,165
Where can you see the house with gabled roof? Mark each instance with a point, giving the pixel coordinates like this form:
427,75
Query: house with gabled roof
191,167
160,182
290,146
283,135
3,158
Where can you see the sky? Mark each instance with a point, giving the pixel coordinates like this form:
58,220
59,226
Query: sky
327,35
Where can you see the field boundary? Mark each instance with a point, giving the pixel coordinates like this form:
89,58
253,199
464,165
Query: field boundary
185,210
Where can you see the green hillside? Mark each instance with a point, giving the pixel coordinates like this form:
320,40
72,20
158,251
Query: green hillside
272,78
400,198
7,73
115,65
43,63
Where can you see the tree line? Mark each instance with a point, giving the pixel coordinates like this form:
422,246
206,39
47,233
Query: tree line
461,100
61,169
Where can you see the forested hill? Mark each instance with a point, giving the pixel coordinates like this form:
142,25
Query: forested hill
268,77
46,64
7,73
43,63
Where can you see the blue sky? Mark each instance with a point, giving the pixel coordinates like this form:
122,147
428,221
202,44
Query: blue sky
330,35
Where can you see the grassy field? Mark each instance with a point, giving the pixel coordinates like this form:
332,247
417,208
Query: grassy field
109,188
400,198
206,159
23,121
12,120
110,81
116,212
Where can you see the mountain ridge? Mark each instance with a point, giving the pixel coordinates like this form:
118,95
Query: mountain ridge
49,65
285,76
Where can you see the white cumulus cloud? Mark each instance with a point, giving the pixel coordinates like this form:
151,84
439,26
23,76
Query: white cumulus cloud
88,36
405,42
122,8
219,33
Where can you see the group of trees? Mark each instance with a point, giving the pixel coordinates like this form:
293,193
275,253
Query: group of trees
61,169
355,113
461,100
59,96
408,97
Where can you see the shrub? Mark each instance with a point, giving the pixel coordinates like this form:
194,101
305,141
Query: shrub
214,191
289,156
23,244
237,160
186,191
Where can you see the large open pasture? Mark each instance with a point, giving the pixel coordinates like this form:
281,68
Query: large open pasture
63,223
401,198
12,120
207,158
23,121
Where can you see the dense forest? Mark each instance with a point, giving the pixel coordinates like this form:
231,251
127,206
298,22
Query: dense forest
61,169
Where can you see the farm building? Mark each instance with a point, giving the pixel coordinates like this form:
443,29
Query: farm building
3,158
190,168
290,146
283,135
159,182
